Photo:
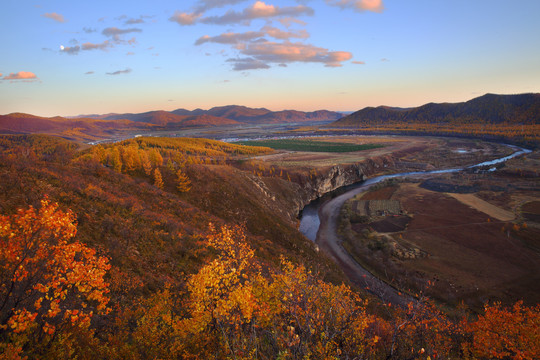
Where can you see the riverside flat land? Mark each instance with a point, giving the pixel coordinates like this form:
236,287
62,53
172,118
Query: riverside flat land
476,234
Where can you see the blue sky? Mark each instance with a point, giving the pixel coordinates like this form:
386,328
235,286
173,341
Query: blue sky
75,57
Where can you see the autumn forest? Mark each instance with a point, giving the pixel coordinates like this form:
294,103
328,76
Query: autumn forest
164,248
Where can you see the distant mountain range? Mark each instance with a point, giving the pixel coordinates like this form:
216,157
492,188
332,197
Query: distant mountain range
75,129
92,127
490,109
521,109
224,115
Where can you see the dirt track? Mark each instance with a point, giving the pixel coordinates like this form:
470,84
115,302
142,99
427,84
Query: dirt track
329,242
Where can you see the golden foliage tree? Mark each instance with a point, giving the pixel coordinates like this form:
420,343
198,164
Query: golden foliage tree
503,333
49,283
183,184
158,180
222,300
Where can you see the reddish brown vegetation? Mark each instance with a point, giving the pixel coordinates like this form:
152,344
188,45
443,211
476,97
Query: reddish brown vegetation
136,272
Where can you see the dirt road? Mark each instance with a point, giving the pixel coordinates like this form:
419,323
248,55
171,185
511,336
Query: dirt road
328,241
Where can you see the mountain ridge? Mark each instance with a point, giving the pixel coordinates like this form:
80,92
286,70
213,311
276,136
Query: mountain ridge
488,108
230,114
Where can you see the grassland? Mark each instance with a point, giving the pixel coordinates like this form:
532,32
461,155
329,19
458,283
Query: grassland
311,145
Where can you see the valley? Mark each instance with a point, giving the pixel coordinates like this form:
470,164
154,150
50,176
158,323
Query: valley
449,220
192,243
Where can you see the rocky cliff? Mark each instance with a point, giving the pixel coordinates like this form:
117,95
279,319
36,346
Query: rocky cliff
289,198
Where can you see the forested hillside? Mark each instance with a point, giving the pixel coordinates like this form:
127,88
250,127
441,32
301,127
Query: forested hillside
176,248
496,117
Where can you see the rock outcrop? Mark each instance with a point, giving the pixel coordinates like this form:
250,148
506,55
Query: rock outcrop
326,180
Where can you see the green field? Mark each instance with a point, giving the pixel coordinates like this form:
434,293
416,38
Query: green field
310,145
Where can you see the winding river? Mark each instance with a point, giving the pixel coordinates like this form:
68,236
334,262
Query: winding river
319,220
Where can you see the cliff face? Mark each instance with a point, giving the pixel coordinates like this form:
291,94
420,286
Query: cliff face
289,198
262,202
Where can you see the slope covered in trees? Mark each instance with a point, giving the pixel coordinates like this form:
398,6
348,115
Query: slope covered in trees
505,117
132,267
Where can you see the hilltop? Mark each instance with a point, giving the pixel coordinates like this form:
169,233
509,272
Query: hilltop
95,127
489,109
509,118
84,129
223,115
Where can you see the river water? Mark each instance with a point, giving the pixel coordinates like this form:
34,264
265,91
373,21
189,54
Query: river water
309,219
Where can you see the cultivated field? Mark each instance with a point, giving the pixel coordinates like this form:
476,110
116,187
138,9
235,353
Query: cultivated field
409,153
474,235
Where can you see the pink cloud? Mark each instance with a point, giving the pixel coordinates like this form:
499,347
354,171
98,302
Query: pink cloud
102,46
288,21
287,52
259,10
72,50
184,18
21,75
205,5
371,5
359,62
358,5
54,16
284,35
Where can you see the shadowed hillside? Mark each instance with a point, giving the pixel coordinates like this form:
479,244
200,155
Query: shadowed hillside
490,109
511,118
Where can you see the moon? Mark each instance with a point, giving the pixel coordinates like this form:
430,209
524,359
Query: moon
61,47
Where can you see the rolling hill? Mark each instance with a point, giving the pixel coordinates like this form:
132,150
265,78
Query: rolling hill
95,126
73,129
522,109
223,115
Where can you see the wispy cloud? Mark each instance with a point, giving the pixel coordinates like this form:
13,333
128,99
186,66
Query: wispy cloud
359,62
21,75
139,20
284,35
183,18
71,50
271,45
54,16
248,64
288,52
202,6
358,5
115,32
230,38
236,38
89,30
134,21
288,21
101,46
259,10
89,73
119,72
205,5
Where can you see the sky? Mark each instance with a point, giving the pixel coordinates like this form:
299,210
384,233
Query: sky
95,57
